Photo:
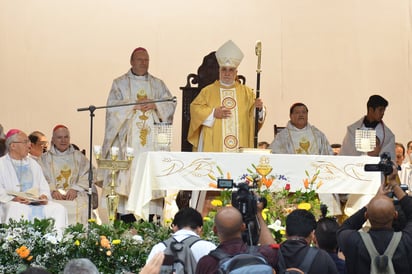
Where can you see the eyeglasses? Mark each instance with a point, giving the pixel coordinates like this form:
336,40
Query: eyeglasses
43,143
22,142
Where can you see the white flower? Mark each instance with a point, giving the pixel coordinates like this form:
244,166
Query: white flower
138,239
276,226
51,238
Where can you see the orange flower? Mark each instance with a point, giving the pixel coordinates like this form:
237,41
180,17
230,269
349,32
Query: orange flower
104,242
267,182
306,183
212,184
228,175
23,251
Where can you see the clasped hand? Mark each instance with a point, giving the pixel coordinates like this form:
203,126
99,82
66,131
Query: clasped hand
70,195
144,107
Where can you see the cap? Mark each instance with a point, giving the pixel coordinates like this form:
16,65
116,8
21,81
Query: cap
12,132
229,55
59,126
137,49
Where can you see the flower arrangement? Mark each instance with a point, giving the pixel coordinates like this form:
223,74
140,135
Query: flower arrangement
275,188
283,202
117,248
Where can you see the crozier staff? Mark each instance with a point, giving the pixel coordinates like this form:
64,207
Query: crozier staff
258,50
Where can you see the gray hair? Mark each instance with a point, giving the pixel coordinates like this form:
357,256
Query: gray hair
11,139
80,266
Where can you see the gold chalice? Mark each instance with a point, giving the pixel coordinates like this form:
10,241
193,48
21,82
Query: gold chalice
263,169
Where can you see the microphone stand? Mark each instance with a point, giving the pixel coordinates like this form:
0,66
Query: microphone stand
258,51
91,109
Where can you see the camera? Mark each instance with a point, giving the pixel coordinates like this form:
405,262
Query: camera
385,165
246,202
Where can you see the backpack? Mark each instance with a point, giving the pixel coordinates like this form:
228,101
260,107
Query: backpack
304,266
381,263
250,262
183,260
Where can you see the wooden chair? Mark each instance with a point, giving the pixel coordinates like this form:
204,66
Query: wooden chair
277,129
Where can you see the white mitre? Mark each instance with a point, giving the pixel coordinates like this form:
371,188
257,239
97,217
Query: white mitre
229,55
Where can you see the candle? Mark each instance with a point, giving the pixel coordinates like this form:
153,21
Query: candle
129,152
115,151
97,150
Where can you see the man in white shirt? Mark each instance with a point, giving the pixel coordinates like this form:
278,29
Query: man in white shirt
187,222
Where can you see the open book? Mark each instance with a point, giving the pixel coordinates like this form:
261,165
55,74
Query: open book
31,195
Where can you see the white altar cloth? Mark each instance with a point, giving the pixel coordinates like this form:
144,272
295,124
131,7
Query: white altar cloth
158,170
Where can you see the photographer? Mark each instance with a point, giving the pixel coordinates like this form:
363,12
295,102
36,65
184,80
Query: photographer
381,213
229,226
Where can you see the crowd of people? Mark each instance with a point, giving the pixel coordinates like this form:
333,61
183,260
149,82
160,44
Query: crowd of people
42,181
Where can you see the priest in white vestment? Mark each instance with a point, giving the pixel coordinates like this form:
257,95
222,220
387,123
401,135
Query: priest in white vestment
133,126
24,192
67,172
300,137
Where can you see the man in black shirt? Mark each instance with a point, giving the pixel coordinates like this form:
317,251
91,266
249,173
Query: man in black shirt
380,212
300,229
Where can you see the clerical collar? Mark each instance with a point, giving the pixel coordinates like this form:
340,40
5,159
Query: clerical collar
144,75
226,85
370,124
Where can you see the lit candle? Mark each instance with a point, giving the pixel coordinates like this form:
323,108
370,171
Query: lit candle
97,150
115,151
129,152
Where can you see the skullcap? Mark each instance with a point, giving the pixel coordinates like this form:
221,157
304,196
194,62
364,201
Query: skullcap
12,132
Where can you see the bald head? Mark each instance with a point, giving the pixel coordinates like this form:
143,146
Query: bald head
381,212
229,223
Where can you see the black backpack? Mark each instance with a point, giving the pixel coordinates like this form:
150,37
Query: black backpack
183,261
250,262
304,266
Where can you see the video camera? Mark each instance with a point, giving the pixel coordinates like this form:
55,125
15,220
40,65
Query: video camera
385,166
246,202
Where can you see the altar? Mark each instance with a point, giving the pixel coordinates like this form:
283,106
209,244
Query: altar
159,170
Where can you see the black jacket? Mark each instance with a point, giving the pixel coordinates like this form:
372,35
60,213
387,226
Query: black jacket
356,255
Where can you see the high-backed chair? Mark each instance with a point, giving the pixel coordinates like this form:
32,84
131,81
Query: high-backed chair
277,129
207,73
